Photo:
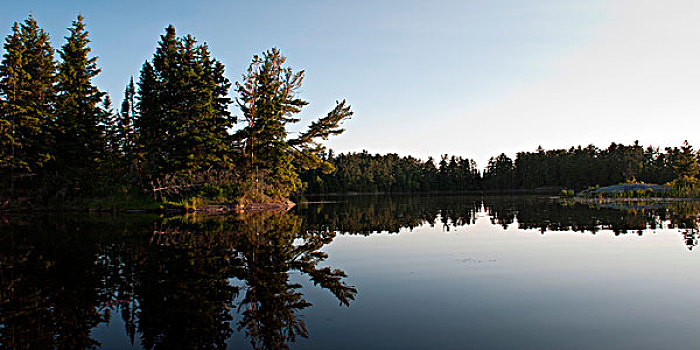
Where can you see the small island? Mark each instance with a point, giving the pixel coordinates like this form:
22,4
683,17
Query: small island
174,143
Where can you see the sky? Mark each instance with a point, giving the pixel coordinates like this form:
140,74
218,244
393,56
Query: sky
425,78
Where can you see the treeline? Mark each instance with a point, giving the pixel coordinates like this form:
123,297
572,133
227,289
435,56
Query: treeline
574,168
175,137
582,167
365,172
174,134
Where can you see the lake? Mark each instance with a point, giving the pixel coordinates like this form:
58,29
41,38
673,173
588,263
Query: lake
358,272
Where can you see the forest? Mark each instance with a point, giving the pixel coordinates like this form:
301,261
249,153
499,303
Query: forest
549,170
173,136
179,137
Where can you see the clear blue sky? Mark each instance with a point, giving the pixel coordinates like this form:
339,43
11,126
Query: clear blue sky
472,78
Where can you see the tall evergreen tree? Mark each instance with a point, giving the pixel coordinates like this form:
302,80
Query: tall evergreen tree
269,102
125,124
120,126
148,124
183,117
10,116
120,134
78,115
27,78
686,165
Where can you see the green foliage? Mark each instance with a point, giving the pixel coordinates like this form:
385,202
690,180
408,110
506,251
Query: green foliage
183,117
686,164
269,102
27,77
577,168
80,119
121,138
60,138
686,186
365,172
254,189
500,173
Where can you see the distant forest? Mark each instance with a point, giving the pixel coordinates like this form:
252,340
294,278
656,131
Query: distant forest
175,138
574,168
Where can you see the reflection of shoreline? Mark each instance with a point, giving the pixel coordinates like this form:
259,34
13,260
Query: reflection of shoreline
582,200
626,204
358,216
170,280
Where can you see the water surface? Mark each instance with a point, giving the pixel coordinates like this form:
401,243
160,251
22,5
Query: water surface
404,272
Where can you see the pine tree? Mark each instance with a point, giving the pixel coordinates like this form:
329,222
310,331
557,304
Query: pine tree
269,102
27,77
78,114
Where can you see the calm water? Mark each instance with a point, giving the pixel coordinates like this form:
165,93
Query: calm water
405,272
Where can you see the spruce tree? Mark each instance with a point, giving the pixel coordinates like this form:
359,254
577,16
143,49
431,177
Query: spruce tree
126,119
183,117
79,117
27,77
148,124
121,130
11,122
110,121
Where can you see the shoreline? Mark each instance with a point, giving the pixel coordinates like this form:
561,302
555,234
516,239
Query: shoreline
631,200
222,208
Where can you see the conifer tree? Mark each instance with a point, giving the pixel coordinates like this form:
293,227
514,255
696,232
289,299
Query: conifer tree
10,116
109,120
269,102
148,124
121,132
79,117
120,125
183,117
686,165
125,123
27,77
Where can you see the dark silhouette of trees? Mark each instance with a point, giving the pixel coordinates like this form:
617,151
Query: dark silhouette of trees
187,282
365,172
550,170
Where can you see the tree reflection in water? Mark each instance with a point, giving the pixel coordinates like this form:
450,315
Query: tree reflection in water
194,281
365,215
270,247
51,289
174,283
